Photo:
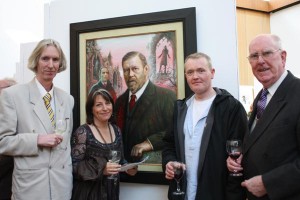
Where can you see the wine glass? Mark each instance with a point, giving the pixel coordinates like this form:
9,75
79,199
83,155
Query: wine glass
234,150
178,174
114,157
60,126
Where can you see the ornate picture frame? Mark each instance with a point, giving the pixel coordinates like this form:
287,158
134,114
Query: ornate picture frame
169,33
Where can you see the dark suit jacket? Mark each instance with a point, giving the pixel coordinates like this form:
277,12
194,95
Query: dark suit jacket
6,170
273,148
226,120
149,118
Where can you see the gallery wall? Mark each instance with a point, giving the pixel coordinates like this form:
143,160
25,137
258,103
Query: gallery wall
216,32
21,22
285,23
216,36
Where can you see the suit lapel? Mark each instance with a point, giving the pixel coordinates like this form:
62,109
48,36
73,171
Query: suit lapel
121,107
142,105
182,110
59,105
39,106
206,136
276,104
59,114
270,113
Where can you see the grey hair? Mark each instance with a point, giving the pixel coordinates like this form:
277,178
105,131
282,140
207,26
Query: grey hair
198,56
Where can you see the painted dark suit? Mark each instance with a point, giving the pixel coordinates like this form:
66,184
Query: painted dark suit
272,149
149,118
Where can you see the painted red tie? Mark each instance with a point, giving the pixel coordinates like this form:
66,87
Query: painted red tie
132,102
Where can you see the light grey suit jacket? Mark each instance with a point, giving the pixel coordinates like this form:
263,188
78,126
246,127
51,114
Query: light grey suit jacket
39,172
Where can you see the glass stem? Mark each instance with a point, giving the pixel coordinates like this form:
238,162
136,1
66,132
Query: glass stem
178,187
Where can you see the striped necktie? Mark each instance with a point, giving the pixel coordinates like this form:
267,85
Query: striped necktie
261,104
47,99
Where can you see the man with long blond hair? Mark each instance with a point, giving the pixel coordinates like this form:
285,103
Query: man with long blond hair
28,114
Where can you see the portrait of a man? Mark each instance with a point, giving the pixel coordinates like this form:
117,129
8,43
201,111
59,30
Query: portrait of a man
148,71
143,111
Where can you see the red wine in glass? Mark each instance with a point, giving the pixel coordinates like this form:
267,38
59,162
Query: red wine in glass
234,150
235,155
178,174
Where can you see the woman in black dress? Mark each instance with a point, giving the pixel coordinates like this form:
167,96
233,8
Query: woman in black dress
91,145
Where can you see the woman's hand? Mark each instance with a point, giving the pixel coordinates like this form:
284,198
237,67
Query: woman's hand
132,171
111,168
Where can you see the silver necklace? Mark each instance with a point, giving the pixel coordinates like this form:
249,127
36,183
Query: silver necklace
111,139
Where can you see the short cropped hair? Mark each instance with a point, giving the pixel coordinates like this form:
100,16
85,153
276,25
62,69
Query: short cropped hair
198,56
37,52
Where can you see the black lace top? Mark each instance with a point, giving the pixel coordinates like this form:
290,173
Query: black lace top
89,157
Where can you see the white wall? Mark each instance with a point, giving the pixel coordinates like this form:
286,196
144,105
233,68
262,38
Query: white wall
285,24
20,22
216,36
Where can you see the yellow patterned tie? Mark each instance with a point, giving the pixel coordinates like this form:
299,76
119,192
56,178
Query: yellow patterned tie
47,99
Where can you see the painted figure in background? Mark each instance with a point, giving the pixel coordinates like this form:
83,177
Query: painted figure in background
28,118
104,83
145,122
164,60
6,162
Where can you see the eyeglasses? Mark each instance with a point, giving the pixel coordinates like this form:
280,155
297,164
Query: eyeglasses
265,55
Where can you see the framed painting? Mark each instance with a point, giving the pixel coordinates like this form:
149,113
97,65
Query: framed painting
97,48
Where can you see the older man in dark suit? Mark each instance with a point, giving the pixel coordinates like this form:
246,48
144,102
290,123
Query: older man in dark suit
271,159
143,123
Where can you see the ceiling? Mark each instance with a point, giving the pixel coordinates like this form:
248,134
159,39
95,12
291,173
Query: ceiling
266,6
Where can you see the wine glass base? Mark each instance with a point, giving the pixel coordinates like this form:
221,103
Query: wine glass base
112,177
178,193
236,174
